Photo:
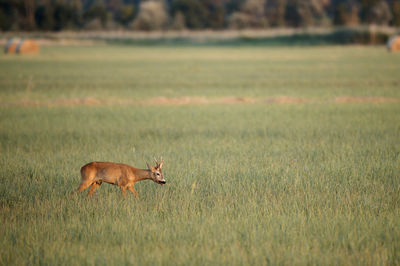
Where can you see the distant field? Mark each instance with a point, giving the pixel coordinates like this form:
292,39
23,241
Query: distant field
272,155
124,72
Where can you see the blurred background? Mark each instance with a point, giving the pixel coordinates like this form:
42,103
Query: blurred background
180,15
278,121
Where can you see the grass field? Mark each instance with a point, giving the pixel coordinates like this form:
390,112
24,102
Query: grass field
313,181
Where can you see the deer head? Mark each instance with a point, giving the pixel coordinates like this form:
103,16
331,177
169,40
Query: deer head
155,172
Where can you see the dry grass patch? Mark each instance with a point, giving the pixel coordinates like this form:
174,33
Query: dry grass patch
347,99
89,101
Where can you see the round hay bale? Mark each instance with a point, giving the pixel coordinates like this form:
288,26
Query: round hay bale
393,45
27,47
11,46
18,46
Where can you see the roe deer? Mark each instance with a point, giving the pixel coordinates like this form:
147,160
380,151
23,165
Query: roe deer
122,175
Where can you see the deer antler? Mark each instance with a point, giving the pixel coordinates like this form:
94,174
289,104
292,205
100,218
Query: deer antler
156,161
162,161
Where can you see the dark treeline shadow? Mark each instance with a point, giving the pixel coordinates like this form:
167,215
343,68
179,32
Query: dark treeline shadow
337,37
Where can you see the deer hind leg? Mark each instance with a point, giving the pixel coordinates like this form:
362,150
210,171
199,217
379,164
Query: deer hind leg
88,174
84,185
132,189
93,188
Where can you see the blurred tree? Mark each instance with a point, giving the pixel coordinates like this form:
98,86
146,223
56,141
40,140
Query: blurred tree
232,6
215,13
366,6
275,12
96,12
29,15
251,15
125,14
396,13
4,21
8,14
93,24
179,21
115,5
256,10
239,20
303,13
380,13
151,16
63,16
77,19
44,18
346,13
195,13
295,14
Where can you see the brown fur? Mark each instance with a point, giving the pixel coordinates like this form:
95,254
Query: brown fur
123,175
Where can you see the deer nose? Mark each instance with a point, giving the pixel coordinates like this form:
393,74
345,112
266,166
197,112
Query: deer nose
162,182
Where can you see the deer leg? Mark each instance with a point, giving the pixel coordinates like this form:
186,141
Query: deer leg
123,190
93,189
132,189
84,185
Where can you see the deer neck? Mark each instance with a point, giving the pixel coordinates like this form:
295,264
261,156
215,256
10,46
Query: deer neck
142,174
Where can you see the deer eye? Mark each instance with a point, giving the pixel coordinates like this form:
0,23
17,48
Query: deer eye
158,174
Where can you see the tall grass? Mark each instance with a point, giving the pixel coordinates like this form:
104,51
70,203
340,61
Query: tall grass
253,184
264,183
123,72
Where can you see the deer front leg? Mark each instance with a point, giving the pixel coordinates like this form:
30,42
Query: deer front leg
123,191
93,189
132,189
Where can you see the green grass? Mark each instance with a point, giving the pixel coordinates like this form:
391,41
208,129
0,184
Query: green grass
125,72
246,183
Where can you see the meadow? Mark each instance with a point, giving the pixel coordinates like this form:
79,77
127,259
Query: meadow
310,179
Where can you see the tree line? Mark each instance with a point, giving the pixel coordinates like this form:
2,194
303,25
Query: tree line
57,15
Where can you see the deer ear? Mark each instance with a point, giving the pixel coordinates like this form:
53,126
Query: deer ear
149,166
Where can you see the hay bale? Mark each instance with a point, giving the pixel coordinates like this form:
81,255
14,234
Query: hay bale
393,45
27,47
11,46
18,46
